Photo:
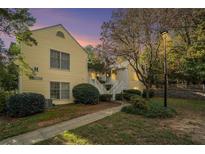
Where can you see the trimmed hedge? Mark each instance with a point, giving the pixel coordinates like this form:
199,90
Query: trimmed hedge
105,97
133,91
25,104
86,93
127,94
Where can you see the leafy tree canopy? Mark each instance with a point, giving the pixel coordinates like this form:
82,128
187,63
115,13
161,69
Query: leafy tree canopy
14,23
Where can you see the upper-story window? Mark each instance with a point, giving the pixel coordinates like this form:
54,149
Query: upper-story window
59,60
60,34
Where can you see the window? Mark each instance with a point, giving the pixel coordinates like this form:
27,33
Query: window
59,60
54,59
64,90
65,61
59,90
55,90
60,34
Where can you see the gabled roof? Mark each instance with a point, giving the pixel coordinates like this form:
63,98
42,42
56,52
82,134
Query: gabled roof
66,32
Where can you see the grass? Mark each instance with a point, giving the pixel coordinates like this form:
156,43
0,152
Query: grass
120,128
123,128
15,126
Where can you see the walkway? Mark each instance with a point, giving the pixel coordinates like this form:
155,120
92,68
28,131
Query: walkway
51,131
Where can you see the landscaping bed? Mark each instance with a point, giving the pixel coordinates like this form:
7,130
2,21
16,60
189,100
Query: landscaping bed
15,126
187,127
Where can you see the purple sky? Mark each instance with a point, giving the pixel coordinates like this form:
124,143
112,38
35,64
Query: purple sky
83,24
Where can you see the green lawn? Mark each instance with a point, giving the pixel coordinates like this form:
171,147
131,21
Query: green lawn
188,127
14,126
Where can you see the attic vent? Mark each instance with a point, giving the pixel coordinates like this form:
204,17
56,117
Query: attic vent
60,34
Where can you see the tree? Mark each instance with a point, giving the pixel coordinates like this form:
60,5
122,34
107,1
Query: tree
194,66
98,60
14,23
132,34
94,62
186,54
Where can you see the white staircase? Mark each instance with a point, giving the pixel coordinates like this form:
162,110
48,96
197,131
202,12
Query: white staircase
98,85
118,87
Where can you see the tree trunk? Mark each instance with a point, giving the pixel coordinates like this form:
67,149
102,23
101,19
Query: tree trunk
147,92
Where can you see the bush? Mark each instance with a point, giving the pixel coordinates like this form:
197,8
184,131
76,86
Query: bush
86,94
131,110
25,104
159,111
105,97
138,102
4,96
150,93
153,110
132,91
127,94
119,97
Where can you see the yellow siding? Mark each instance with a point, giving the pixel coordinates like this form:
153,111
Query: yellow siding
39,56
134,83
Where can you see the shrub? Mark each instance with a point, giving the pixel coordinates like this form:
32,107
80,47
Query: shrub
86,94
4,95
127,94
132,91
25,104
126,97
159,111
150,93
154,110
138,102
119,97
105,97
131,110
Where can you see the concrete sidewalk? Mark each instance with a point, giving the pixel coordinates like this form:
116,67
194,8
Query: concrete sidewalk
51,131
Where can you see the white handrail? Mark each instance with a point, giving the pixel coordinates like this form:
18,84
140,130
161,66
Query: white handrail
118,87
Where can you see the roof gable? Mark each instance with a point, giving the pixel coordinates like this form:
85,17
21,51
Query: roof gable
68,33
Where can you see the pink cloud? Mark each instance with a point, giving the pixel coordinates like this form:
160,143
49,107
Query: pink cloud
85,40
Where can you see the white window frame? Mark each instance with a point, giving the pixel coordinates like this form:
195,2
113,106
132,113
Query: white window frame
60,89
60,68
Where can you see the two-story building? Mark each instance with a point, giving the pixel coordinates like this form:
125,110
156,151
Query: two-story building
59,63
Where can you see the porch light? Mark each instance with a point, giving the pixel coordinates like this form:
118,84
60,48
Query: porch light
93,75
113,76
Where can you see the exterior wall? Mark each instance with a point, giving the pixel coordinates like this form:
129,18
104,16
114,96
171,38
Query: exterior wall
122,75
39,56
133,82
